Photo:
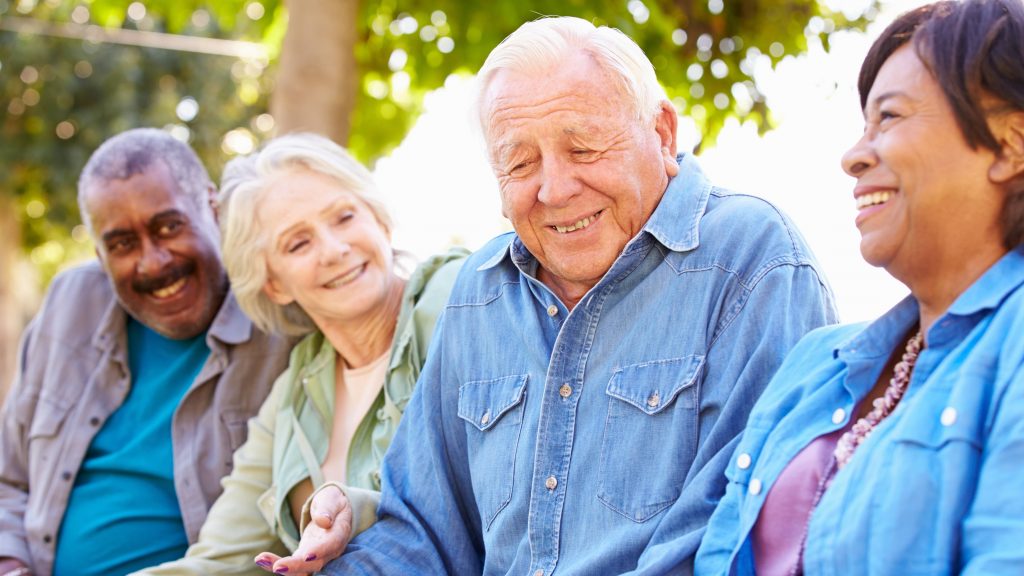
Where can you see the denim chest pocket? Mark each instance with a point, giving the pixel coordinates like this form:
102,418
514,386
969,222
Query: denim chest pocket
493,414
932,469
650,434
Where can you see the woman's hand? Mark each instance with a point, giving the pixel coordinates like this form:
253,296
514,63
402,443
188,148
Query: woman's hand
323,540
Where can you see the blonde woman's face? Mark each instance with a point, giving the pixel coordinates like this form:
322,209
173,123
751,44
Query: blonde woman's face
325,249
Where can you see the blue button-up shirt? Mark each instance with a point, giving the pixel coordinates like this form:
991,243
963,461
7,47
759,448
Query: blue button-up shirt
541,440
931,490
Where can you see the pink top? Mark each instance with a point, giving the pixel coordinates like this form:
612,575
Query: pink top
780,528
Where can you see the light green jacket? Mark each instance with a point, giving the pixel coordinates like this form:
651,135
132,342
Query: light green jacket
288,439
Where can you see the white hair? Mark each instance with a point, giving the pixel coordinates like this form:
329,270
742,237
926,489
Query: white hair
243,241
542,44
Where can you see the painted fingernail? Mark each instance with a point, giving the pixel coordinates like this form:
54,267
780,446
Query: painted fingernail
311,557
264,563
281,570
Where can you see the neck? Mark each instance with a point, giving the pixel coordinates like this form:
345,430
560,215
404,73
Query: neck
936,292
570,293
360,342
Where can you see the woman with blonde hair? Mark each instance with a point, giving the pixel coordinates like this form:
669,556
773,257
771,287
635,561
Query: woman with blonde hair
306,243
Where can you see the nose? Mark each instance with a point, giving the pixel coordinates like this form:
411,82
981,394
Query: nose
860,157
154,259
333,248
559,184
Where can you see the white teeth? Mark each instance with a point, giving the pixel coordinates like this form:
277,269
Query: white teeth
873,199
579,225
168,291
348,277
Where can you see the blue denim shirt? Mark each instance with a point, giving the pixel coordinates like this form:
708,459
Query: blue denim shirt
931,490
544,441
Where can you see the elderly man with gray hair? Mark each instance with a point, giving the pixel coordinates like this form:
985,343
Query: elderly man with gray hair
135,379
592,370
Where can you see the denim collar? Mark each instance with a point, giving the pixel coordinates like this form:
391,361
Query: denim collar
986,293
675,222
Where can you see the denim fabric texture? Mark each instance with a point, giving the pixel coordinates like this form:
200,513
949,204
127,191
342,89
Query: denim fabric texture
931,489
543,441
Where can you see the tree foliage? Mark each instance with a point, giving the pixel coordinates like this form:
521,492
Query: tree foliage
62,97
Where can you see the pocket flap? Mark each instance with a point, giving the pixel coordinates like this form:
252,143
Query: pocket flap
653,385
484,402
47,417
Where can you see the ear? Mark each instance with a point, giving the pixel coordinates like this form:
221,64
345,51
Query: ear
1009,163
665,123
211,199
276,294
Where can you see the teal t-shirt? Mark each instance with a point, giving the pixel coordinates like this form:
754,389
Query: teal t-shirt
123,513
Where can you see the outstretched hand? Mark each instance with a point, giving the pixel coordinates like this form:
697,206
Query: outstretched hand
323,540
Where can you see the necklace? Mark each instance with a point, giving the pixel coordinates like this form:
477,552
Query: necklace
883,406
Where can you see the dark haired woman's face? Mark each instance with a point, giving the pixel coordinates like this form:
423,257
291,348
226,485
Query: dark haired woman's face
924,199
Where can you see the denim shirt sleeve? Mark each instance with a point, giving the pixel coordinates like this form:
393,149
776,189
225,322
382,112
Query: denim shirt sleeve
787,302
426,520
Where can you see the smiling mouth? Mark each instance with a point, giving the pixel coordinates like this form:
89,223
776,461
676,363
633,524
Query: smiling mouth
873,199
579,225
345,278
170,290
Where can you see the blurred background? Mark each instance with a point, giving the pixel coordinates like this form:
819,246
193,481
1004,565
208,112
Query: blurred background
765,90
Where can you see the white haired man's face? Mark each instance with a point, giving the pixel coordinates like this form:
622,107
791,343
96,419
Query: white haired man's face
579,174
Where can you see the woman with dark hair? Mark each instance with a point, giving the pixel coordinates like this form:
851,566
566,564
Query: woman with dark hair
894,447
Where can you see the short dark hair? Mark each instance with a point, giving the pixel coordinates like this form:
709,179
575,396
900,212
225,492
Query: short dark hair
974,49
132,152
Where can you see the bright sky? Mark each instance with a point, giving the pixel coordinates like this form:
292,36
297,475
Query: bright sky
442,191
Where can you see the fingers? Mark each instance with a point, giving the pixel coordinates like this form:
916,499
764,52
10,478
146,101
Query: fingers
295,564
326,506
266,561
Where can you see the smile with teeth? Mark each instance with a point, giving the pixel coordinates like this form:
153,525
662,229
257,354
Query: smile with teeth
345,278
579,225
171,290
873,199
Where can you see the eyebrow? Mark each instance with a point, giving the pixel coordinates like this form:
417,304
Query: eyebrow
281,236
878,100
120,232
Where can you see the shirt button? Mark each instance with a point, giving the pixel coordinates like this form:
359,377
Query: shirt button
94,421
305,381
485,418
565,391
65,475
755,487
551,483
552,310
743,462
838,416
654,400
48,538
948,417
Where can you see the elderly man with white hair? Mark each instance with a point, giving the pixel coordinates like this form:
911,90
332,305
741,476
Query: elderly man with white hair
592,370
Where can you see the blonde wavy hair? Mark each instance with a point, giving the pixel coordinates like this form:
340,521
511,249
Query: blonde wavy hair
243,240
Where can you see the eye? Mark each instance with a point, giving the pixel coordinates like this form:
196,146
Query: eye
296,245
169,228
120,245
884,115
344,217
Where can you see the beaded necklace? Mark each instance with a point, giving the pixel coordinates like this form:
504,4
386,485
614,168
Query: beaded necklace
883,406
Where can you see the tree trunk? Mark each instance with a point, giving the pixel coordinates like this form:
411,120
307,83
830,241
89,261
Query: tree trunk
11,318
317,80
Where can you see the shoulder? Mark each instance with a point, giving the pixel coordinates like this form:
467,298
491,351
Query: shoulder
432,281
485,273
751,233
76,302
